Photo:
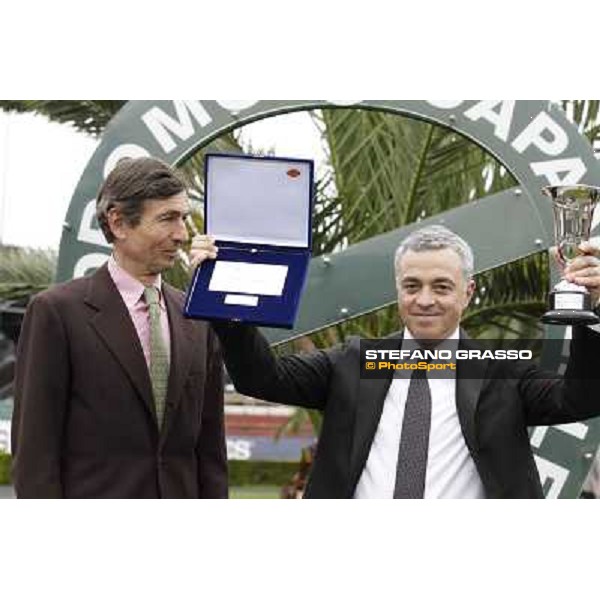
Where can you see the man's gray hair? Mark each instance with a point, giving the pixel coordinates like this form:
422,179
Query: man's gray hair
437,237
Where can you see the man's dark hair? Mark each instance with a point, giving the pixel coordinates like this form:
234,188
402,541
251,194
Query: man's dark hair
131,182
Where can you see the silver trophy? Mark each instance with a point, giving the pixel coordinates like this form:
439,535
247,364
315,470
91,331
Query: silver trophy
573,207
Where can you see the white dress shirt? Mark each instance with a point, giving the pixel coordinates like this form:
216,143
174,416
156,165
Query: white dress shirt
451,472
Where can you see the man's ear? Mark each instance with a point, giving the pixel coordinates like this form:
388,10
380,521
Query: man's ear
117,223
470,292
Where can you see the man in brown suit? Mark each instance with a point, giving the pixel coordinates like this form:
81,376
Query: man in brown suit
117,395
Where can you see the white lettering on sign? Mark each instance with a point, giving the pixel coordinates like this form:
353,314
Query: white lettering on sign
88,262
445,103
162,125
553,473
238,449
573,168
538,435
87,232
542,132
500,119
577,430
236,106
552,143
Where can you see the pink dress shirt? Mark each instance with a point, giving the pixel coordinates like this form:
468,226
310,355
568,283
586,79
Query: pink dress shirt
132,292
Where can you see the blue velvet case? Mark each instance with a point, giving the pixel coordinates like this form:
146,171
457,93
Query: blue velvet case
259,209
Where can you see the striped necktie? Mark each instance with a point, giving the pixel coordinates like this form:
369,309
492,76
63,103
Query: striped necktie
159,357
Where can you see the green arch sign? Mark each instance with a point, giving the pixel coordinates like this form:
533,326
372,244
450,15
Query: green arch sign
533,139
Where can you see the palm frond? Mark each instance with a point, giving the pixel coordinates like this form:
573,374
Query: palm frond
24,272
89,116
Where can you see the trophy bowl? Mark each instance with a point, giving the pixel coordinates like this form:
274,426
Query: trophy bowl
573,209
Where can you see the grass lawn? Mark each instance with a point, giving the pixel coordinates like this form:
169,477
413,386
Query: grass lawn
246,492
254,492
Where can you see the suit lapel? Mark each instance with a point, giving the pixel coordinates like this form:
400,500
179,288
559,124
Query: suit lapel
113,325
469,381
370,401
182,352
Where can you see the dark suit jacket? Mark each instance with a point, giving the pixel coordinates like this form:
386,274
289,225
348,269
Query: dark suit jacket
84,423
496,402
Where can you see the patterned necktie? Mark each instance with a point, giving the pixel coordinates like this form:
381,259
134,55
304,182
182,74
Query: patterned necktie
414,439
159,358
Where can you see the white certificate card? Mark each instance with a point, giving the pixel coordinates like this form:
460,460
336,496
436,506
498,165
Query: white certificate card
248,278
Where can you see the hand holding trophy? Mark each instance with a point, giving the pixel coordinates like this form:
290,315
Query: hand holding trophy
573,207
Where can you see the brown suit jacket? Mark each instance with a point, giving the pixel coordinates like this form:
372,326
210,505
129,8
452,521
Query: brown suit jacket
84,423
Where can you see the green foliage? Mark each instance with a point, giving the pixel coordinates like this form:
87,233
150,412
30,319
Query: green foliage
5,463
390,171
242,473
25,271
510,300
255,492
584,113
89,116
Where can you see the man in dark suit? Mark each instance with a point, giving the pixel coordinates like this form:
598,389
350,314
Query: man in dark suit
117,395
415,437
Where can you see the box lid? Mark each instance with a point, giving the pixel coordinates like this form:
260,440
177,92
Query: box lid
259,200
